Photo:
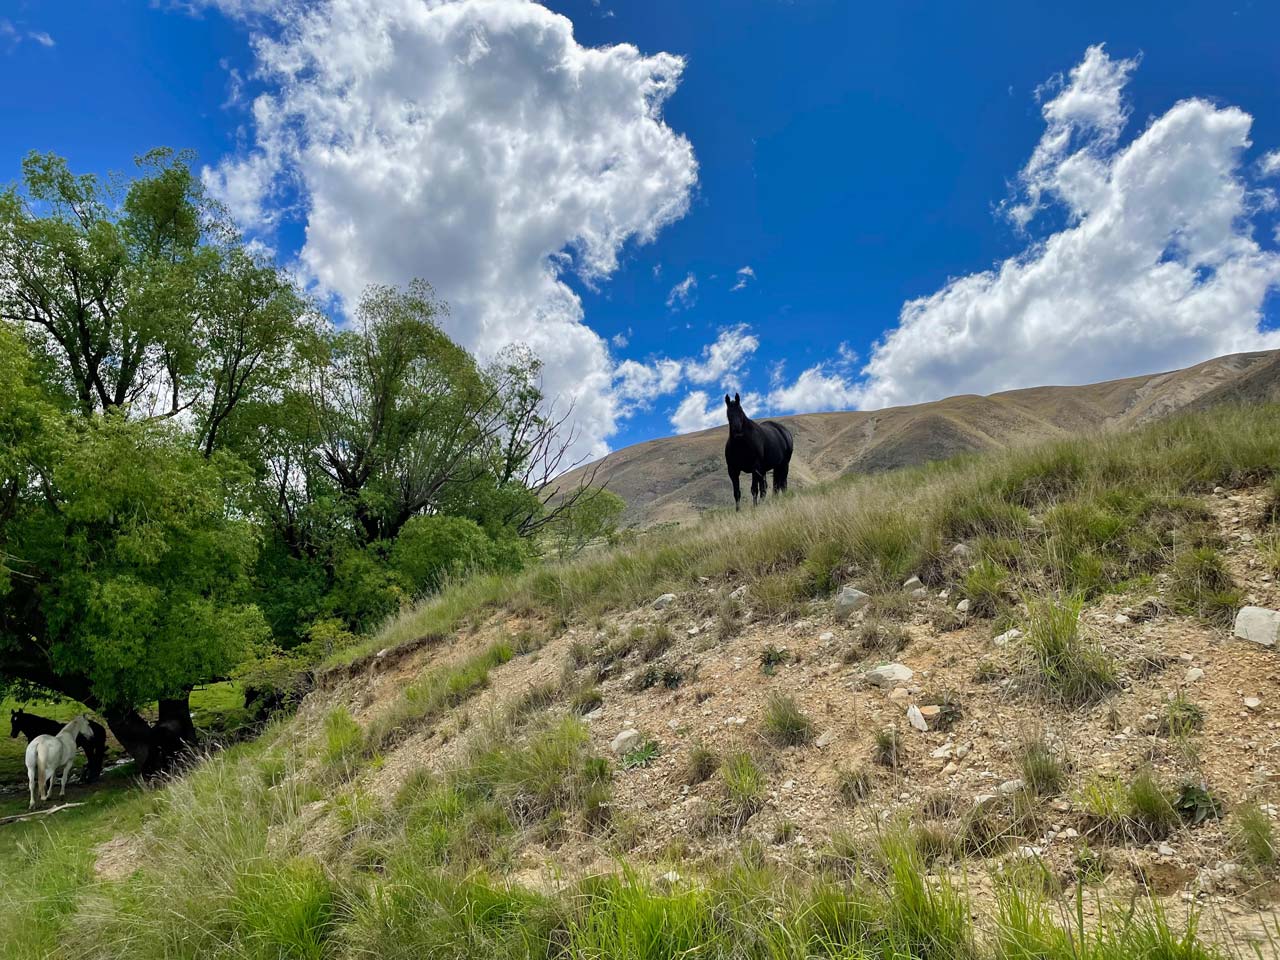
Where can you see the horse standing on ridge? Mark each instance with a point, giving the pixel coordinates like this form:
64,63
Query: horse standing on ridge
755,448
47,755
31,725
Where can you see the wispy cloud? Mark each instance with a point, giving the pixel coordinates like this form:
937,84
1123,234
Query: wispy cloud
684,294
745,275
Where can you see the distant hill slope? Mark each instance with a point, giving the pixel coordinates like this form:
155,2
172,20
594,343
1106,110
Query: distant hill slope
675,478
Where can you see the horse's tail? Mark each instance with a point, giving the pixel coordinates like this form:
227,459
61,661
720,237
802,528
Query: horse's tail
41,751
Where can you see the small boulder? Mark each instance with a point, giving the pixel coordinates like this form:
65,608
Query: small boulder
912,584
963,606
826,739
626,741
916,719
920,593
1252,703
890,675
1010,787
739,593
849,601
664,601
962,551
1258,625
1007,636
1194,674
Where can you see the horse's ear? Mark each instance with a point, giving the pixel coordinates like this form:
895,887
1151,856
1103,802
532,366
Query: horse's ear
727,401
735,399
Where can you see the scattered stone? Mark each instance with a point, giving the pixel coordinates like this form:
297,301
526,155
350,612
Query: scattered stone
1007,637
944,752
916,719
664,601
1121,619
898,694
735,721
739,593
826,739
1252,703
849,601
1219,490
962,751
1070,833
962,551
984,800
963,606
1010,787
626,741
826,637
949,769
1165,850
920,593
944,594
594,715
1194,674
912,583
1258,625
670,877
692,631
891,674
381,653
930,711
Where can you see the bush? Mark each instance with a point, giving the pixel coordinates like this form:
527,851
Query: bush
785,725
430,550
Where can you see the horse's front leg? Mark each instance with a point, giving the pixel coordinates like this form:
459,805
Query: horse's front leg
737,490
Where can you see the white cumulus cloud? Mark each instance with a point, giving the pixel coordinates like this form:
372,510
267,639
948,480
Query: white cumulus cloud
722,360
475,143
1157,268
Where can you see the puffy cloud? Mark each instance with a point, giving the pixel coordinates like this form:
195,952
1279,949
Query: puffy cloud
1270,163
472,142
697,412
722,360
745,275
1157,268
818,388
683,294
636,384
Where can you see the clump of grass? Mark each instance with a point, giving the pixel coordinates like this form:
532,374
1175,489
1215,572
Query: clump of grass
1042,771
586,699
1254,836
985,584
656,642
889,750
822,567
785,724
1140,810
1200,584
1182,717
876,636
853,784
784,831
343,740
1064,667
728,617
744,785
700,765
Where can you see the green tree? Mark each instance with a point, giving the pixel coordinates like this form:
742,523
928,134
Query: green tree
588,518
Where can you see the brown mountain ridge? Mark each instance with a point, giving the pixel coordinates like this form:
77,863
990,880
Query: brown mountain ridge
673,479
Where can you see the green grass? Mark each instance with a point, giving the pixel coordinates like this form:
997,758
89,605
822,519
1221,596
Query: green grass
1254,836
701,764
785,724
1202,585
853,784
1140,810
889,750
1042,771
1063,666
744,785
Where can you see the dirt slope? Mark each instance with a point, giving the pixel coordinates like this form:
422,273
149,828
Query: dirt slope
672,479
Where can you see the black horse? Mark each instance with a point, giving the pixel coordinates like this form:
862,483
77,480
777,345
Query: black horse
31,725
755,448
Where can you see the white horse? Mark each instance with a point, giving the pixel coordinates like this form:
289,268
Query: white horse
46,754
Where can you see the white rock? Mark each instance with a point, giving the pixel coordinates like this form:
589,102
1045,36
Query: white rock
912,583
919,593
963,606
1007,637
962,751
826,739
1121,619
944,752
1194,674
1165,850
891,674
962,551
916,719
944,594
1258,625
664,601
670,877
826,637
1011,787
739,593
1070,833
849,601
626,741
692,631
1253,703
735,721
949,769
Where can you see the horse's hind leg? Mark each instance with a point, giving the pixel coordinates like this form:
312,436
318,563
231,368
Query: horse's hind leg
780,479
758,484
31,785
66,771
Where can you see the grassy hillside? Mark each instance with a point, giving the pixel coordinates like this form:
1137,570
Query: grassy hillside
451,789
675,479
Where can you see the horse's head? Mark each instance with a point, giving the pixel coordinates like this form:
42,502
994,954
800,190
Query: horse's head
737,419
15,723
79,726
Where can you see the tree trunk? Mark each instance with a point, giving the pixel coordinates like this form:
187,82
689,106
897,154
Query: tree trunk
175,719
137,737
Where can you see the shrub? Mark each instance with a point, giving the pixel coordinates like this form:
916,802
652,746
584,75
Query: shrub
1063,666
771,658
1196,803
785,725
876,636
657,642
1182,717
586,699
641,756
431,549
1201,585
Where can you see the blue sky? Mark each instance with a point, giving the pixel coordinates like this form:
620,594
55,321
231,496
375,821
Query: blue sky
558,188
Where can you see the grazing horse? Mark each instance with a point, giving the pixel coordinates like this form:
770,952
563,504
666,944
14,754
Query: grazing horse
31,725
755,448
47,755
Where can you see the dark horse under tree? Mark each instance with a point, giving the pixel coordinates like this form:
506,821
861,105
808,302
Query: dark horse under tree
31,725
755,448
